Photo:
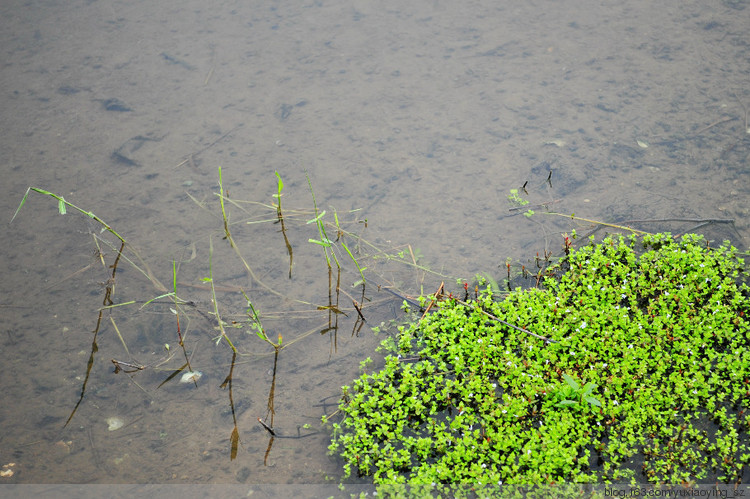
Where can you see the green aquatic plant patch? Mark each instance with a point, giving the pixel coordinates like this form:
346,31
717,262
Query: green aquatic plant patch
645,377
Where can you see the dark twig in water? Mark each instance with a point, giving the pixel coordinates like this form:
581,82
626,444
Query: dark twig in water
268,428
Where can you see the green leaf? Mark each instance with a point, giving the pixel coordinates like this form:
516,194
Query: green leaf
327,244
590,387
571,382
317,219
593,401
23,201
281,183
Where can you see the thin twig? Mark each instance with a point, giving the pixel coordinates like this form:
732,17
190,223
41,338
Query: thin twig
747,130
190,159
517,328
538,205
723,120
693,220
435,298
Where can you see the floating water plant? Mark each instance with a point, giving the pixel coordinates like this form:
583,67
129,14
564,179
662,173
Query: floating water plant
639,372
574,395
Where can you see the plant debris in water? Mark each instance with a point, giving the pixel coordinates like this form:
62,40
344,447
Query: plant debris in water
648,381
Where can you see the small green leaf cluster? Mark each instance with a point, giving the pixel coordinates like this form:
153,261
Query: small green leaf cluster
515,199
573,395
648,378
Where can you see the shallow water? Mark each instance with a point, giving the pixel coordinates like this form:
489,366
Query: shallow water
420,117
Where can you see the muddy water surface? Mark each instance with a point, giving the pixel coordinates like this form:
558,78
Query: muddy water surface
419,119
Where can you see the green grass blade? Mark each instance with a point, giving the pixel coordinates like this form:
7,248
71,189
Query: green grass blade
281,184
23,201
165,295
321,229
317,218
360,269
62,206
325,244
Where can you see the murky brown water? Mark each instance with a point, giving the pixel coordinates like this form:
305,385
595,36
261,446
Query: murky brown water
421,116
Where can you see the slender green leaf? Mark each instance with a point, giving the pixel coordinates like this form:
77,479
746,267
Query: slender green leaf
156,298
23,201
326,244
281,184
570,381
593,401
317,219
360,269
